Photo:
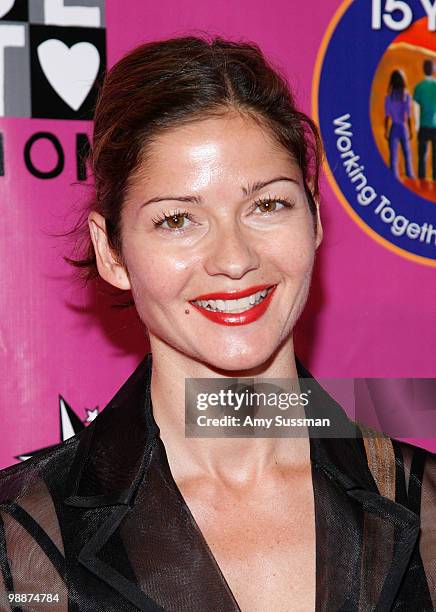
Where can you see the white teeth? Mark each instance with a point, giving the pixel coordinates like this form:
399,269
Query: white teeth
234,306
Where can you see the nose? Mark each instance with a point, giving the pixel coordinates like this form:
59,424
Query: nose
233,252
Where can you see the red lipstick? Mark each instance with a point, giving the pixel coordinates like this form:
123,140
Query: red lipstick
232,295
236,318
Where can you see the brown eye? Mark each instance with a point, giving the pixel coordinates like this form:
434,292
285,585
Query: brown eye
173,221
271,205
176,221
267,205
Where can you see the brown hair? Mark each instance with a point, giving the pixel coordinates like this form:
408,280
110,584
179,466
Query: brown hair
428,67
160,85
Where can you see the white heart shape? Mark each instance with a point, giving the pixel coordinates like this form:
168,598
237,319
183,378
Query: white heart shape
71,71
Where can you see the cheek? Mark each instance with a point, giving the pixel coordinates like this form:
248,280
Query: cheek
293,253
155,277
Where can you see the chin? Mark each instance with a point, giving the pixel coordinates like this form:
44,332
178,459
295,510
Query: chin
239,360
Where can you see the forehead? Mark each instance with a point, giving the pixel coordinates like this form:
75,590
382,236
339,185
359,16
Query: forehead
227,150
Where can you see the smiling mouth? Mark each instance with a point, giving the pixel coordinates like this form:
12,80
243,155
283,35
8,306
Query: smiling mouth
234,306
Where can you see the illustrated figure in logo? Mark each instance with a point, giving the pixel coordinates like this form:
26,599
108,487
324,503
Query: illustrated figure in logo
425,97
398,103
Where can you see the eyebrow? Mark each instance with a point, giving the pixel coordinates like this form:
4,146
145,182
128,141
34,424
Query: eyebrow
249,190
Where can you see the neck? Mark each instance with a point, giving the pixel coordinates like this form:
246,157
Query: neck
236,460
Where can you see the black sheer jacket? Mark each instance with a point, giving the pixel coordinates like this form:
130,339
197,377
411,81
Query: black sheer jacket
100,522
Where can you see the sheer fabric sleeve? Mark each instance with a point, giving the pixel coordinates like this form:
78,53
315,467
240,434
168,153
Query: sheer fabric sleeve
428,525
420,475
32,563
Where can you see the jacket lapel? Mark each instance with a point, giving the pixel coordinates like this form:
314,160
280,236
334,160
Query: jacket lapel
364,540
113,455
127,523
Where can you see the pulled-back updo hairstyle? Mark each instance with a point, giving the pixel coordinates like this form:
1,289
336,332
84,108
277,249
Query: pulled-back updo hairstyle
161,85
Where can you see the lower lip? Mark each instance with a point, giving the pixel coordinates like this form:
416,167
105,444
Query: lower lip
239,318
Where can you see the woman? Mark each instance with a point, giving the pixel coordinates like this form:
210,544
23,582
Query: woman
206,191
398,111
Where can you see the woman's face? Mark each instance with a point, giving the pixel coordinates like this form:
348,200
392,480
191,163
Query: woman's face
218,207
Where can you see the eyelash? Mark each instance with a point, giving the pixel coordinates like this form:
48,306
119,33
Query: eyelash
164,216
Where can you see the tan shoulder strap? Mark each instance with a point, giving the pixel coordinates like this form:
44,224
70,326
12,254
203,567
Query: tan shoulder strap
381,460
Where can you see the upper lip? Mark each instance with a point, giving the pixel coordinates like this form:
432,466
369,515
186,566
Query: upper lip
232,295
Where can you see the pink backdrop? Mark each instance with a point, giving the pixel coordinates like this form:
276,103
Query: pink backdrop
371,311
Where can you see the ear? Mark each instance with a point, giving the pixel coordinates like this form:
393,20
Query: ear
109,266
319,230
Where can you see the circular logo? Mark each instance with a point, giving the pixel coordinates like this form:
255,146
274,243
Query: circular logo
374,99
